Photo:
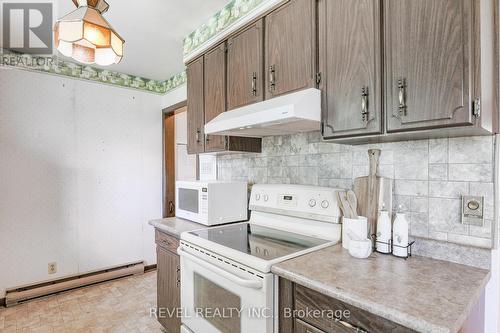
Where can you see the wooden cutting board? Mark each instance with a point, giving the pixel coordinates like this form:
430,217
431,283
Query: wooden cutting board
374,193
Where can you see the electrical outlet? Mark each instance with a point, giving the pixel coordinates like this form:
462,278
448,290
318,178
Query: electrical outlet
473,210
52,267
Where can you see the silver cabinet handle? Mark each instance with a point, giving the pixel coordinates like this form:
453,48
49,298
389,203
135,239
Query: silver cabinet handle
272,78
364,103
402,97
198,132
476,107
178,276
346,324
254,84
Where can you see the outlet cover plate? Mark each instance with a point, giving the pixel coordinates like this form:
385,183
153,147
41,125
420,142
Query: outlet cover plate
473,210
52,268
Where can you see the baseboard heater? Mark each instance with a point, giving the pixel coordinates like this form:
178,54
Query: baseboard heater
22,294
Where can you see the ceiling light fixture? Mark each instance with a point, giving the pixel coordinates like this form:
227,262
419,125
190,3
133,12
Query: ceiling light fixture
87,37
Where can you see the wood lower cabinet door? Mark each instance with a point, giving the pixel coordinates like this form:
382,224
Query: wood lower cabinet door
215,96
290,48
350,65
302,327
168,297
195,106
245,67
429,63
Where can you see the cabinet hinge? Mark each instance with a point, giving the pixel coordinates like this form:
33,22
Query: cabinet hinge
322,129
226,143
476,108
318,78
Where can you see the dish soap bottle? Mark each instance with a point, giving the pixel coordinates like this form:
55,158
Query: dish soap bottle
400,236
383,231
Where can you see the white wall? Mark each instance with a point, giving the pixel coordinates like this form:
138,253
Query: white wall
80,175
185,164
175,96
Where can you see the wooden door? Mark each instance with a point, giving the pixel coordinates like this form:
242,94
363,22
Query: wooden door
215,97
350,65
428,57
245,67
168,284
290,48
195,105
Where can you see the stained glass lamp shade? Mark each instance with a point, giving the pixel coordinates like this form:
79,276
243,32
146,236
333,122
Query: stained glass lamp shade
87,37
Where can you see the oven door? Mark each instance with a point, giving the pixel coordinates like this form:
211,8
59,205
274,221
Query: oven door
216,298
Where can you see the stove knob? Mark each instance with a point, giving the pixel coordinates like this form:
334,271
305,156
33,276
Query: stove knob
266,197
257,197
325,204
312,203
266,252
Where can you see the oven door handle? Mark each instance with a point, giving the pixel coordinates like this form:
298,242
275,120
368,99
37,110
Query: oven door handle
219,271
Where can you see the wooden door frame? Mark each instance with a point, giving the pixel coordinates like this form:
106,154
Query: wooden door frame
167,183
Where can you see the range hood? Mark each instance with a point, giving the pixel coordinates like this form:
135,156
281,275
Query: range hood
288,114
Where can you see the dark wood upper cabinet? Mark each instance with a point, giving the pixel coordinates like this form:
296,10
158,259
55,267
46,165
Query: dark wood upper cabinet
429,64
388,70
290,44
350,64
245,66
206,90
195,107
215,96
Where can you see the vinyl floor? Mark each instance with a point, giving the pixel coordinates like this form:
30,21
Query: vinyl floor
119,306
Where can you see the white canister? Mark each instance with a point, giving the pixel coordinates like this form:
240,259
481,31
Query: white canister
400,236
358,227
383,232
360,248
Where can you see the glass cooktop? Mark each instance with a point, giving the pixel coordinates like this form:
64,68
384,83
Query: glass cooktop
258,241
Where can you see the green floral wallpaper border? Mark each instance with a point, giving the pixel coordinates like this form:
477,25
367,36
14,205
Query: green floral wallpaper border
54,65
233,11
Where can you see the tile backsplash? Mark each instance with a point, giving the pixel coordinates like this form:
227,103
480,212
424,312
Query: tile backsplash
430,176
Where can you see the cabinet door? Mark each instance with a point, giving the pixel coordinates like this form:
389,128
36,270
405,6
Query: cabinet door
428,57
195,105
290,47
350,65
215,97
302,327
169,293
245,67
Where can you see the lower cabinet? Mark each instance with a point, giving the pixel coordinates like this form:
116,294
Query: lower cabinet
335,316
303,327
168,283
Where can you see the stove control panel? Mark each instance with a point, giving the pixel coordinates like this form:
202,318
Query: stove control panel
318,203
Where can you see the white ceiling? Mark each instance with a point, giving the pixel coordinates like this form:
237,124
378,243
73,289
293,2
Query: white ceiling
153,31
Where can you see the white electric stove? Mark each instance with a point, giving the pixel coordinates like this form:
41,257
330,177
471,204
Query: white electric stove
226,280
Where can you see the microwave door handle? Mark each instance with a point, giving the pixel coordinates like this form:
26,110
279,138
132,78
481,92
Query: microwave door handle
219,271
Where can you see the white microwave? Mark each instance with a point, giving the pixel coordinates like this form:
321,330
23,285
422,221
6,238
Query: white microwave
211,202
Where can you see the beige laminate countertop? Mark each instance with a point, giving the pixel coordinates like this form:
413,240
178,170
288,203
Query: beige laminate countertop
174,226
423,294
